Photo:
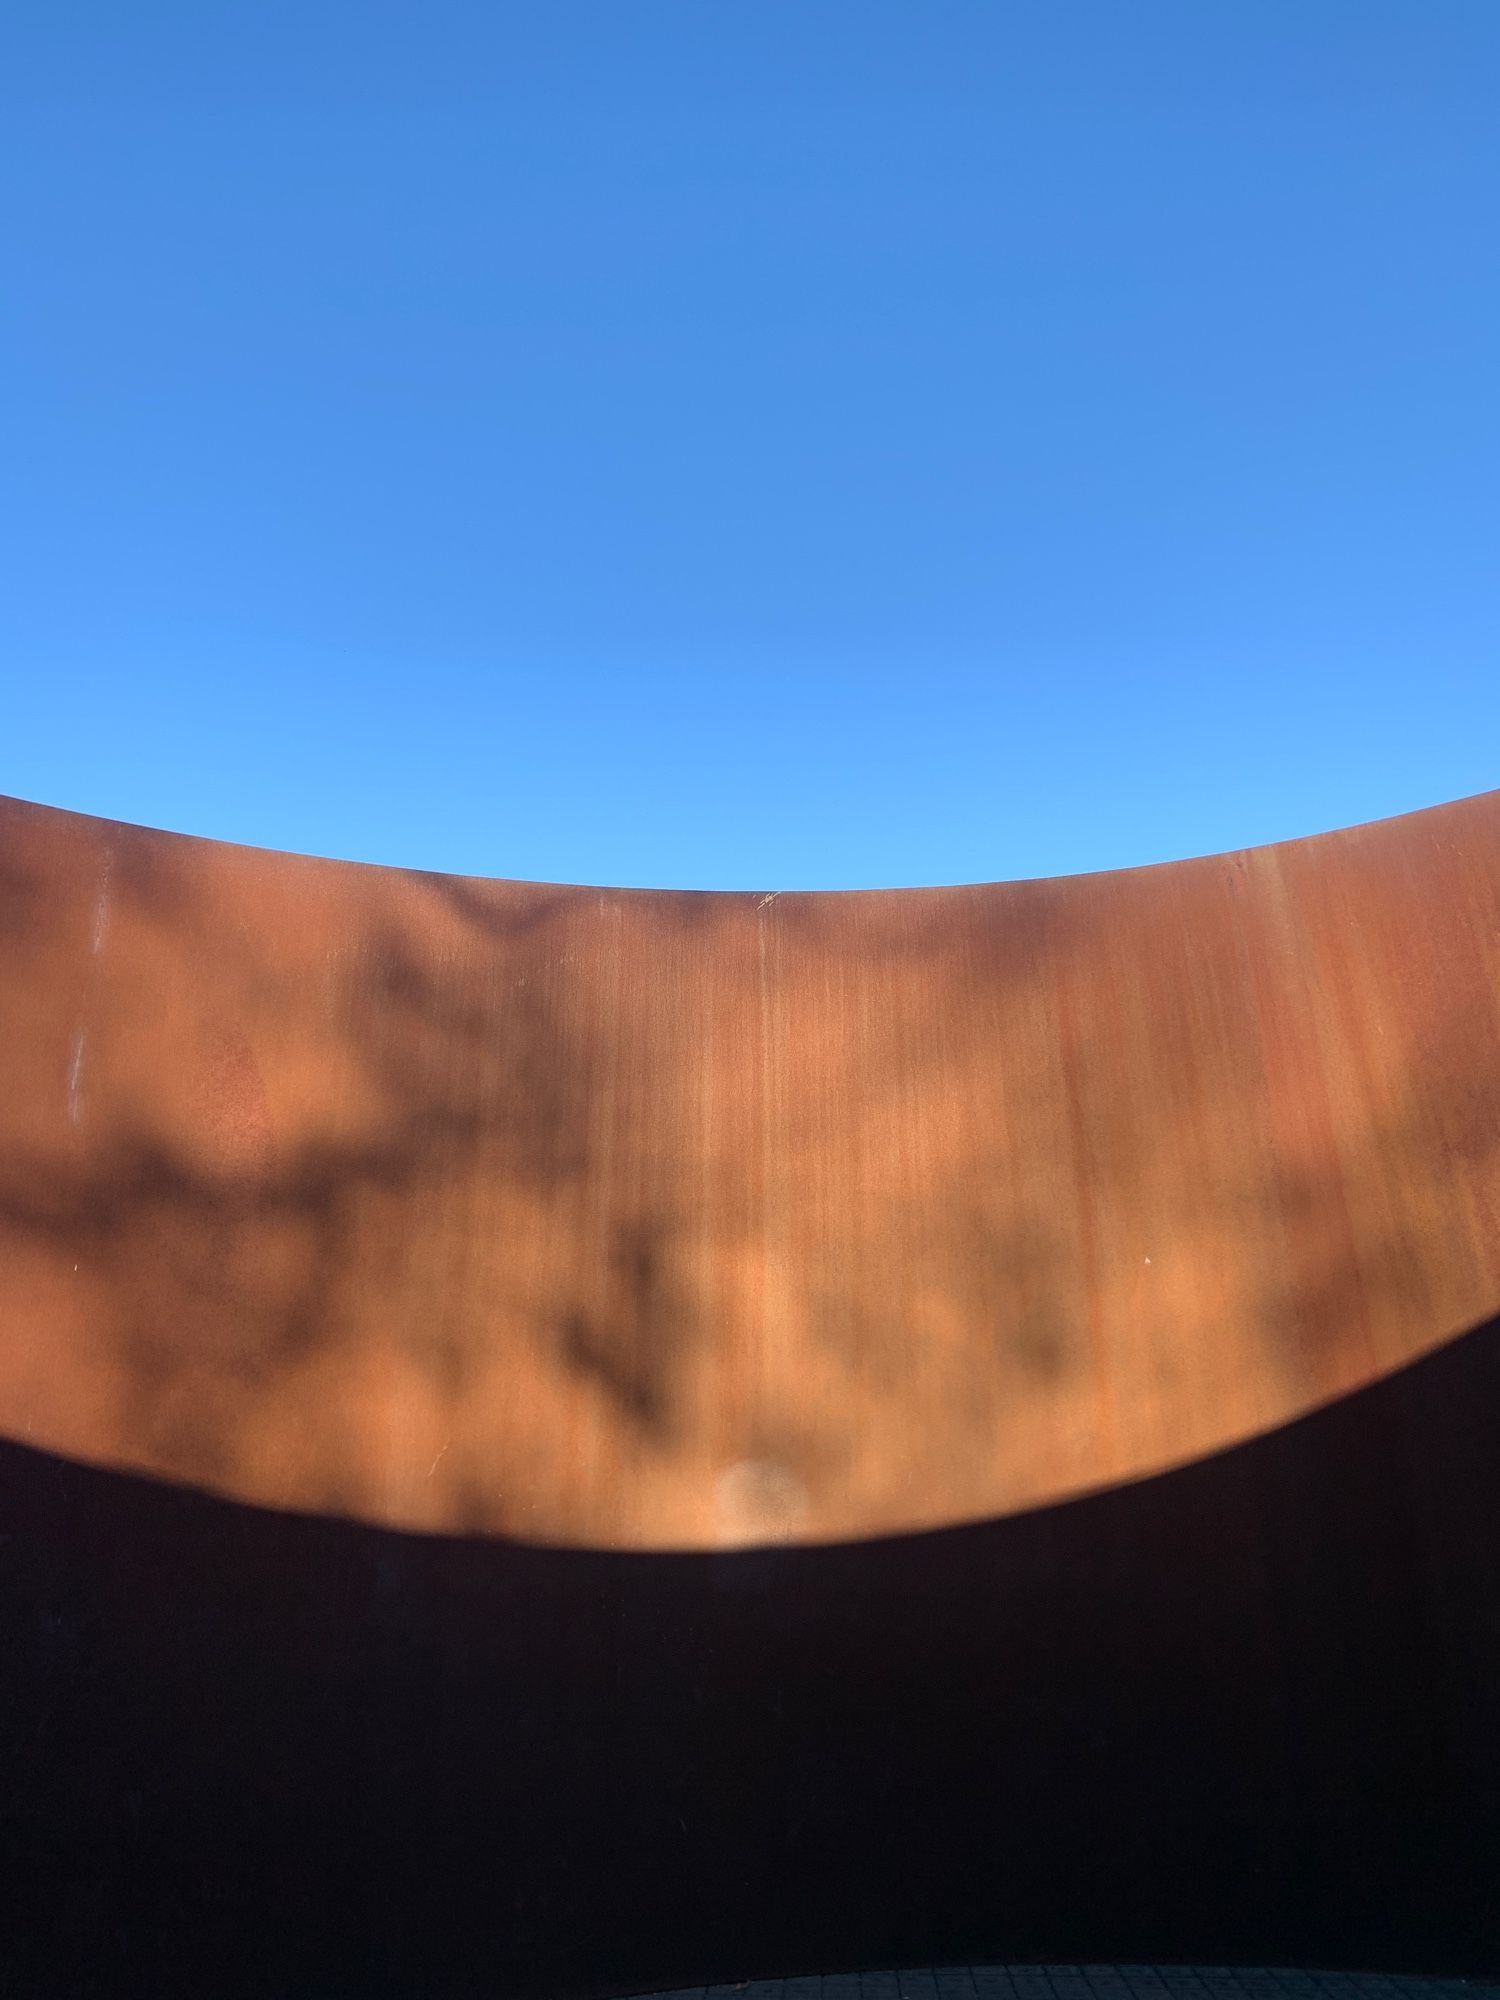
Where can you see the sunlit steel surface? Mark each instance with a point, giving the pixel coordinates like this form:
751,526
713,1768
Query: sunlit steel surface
679,1221
666,1260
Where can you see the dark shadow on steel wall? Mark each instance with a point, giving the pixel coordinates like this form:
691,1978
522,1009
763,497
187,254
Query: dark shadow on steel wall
1246,1711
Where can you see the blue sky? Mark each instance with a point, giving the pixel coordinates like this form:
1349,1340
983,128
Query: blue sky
800,443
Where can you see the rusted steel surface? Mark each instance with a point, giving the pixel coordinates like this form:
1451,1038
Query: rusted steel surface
678,1221
601,1236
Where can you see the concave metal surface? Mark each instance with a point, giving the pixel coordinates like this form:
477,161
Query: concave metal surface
641,1220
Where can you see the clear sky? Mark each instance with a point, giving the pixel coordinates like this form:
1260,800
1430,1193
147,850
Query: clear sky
750,443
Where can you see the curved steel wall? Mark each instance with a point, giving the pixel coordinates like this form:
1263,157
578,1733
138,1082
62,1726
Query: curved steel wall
636,1220
667,1260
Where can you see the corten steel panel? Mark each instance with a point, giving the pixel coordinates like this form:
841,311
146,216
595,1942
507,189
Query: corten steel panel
645,1220
666,1260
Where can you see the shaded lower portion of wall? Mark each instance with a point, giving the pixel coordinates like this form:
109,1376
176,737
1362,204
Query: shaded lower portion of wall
1247,1711
1094,1982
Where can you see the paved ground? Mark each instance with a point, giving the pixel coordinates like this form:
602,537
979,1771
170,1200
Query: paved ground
1096,1982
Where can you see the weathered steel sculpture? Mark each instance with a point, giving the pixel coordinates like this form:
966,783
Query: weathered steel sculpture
841,1427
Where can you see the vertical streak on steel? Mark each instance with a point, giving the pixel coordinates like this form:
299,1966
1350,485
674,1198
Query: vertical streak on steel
101,907
767,1223
75,1076
1086,1181
97,930
1307,1151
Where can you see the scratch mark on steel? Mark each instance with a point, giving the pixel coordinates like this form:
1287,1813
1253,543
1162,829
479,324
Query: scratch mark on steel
75,1077
101,907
